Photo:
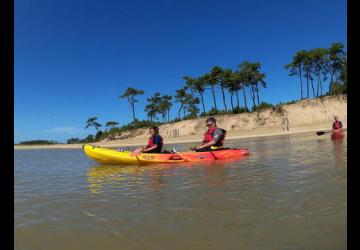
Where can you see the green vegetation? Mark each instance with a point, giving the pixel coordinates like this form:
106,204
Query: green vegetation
111,124
126,128
286,103
262,105
113,131
91,122
159,105
73,140
88,139
130,94
313,66
320,64
38,142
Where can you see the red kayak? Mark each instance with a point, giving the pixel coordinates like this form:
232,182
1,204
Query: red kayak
337,135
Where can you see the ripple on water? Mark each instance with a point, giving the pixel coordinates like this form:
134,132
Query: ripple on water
289,193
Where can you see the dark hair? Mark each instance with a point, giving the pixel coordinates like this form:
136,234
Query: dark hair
211,119
155,128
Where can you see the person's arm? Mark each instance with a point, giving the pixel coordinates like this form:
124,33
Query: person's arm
209,144
149,149
157,142
217,135
139,150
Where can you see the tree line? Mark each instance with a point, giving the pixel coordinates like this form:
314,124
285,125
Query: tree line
92,122
38,142
247,76
319,65
244,82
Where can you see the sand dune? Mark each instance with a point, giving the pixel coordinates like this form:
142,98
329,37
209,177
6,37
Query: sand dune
304,116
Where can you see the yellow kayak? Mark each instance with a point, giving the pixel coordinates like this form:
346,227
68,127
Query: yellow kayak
113,156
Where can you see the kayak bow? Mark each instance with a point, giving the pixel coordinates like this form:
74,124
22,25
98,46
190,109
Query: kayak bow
337,135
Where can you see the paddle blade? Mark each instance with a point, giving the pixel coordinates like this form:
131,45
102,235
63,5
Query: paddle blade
320,132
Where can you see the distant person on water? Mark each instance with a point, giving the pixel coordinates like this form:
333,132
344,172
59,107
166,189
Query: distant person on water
155,142
337,125
213,138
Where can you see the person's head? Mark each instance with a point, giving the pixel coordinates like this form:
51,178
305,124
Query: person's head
154,130
210,122
336,117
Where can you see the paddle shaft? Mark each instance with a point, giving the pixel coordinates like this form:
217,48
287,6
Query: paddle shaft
319,133
322,132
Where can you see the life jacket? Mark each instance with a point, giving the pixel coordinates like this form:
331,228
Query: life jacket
209,136
151,142
337,124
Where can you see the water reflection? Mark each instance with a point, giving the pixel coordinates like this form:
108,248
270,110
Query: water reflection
100,176
340,155
285,185
114,177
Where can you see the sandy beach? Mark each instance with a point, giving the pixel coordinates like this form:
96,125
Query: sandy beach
309,115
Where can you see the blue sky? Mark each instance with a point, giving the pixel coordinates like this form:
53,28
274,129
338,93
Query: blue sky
74,58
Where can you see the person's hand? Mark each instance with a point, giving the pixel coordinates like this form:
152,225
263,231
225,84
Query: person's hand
139,150
192,148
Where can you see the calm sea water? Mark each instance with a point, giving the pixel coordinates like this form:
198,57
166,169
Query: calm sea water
289,193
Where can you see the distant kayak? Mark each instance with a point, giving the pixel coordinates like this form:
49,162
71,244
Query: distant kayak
337,135
113,156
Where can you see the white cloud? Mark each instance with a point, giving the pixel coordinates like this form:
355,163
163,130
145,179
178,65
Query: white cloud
61,130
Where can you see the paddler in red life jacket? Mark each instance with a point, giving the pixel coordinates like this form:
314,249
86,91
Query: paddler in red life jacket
155,142
213,138
337,125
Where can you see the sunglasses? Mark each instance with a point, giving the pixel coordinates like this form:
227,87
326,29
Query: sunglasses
208,125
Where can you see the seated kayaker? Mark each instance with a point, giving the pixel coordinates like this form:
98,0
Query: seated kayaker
337,125
155,142
213,138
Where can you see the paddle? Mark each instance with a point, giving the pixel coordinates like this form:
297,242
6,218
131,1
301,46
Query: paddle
322,132
325,132
214,155
192,149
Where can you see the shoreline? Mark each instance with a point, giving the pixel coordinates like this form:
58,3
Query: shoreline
309,115
232,135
